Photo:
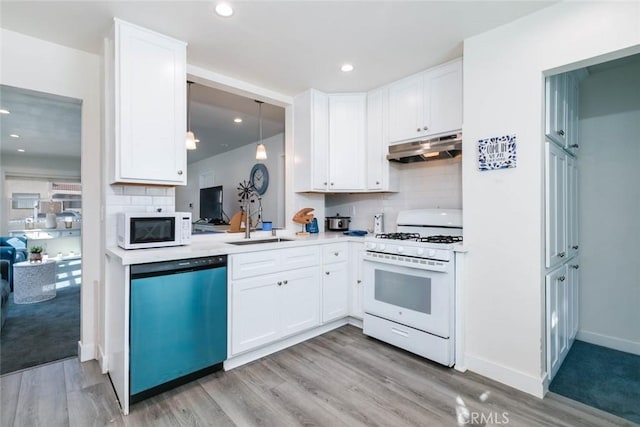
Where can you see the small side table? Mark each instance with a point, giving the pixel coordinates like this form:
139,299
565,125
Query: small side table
34,281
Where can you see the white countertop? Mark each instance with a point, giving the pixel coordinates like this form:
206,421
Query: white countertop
203,245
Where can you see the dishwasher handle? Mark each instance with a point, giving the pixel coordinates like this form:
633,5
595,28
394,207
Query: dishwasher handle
177,266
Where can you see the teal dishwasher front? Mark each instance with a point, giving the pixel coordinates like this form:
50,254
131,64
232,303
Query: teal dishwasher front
178,323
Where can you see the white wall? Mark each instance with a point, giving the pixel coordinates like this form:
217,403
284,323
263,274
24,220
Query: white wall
432,184
36,64
609,200
229,169
503,210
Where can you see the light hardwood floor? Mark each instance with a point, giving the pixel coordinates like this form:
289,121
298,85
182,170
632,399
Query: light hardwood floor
341,378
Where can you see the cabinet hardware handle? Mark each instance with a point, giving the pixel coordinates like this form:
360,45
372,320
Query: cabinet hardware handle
179,172
336,253
332,183
285,282
425,128
561,132
574,146
574,247
324,183
359,281
418,130
279,283
561,278
377,182
561,254
575,266
327,272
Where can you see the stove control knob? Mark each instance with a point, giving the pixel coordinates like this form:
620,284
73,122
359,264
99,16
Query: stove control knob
371,246
400,249
432,252
420,251
381,246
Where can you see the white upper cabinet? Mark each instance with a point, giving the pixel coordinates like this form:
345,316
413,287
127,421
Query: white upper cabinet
330,142
347,141
146,110
380,175
556,205
561,116
426,104
573,236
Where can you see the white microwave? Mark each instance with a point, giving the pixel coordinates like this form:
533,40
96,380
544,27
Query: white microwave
153,229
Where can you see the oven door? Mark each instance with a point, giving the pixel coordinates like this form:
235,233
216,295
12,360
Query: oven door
415,297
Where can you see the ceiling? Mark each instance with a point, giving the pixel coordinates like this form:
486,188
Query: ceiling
284,46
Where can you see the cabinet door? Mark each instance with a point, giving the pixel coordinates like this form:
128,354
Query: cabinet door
406,109
573,240
556,319
555,206
347,144
255,317
377,176
556,108
572,144
335,296
320,140
443,99
573,288
299,300
357,281
150,100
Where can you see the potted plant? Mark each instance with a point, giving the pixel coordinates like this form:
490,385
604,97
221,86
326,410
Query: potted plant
35,253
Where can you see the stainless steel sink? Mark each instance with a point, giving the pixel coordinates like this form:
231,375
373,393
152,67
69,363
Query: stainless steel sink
257,241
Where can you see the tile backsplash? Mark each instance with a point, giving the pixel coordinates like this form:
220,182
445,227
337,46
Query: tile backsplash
433,184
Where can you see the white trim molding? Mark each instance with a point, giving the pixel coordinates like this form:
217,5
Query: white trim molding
614,343
516,379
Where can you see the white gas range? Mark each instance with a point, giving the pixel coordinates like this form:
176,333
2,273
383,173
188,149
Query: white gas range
409,277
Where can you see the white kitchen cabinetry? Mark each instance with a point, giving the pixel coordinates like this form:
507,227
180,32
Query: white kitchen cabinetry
380,174
426,104
573,289
347,142
556,205
146,106
268,307
356,279
561,121
573,236
311,141
557,319
335,282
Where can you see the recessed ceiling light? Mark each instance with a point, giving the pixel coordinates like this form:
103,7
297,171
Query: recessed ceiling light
20,150
346,68
224,9
14,135
237,120
3,111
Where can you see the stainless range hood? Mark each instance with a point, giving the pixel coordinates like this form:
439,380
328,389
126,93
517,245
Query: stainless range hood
444,147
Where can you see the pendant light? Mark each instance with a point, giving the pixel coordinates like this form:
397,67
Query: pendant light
191,138
261,150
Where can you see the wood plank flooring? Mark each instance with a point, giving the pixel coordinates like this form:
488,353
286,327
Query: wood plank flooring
341,378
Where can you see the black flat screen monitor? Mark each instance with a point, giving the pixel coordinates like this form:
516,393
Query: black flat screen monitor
211,204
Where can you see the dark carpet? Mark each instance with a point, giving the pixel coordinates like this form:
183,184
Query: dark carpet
603,378
38,333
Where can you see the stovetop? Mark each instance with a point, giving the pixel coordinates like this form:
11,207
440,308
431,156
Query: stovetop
415,237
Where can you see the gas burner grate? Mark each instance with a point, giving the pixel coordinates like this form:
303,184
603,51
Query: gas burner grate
399,236
441,239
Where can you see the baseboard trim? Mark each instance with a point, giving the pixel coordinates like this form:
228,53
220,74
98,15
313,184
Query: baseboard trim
354,321
614,343
86,351
252,355
103,360
511,377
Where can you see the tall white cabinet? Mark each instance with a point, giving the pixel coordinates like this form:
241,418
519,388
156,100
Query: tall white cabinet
562,240
146,106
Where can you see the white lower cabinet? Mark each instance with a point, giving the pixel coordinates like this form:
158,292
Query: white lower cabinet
562,290
356,280
270,307
335,281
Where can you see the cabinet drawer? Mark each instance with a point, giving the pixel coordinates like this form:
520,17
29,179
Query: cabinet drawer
335,252
254,264
306,256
